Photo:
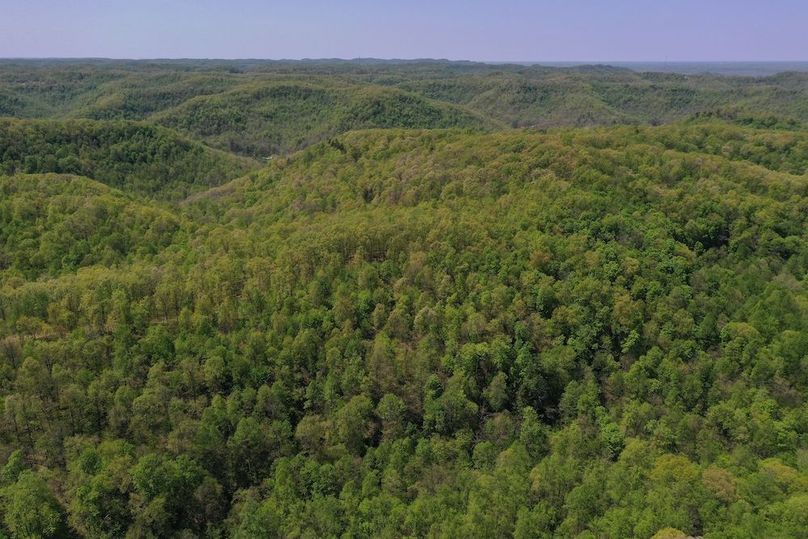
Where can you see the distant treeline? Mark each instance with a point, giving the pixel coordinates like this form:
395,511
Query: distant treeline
260,108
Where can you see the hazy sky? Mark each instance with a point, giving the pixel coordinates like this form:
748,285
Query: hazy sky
549,30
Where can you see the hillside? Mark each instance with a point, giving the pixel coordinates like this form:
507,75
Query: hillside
575,97
420,332
260,108
59,223
135,157
276,118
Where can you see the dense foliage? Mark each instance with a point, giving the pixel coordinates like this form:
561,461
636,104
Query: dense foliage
405,333
52,223
143,159
267,119
258,108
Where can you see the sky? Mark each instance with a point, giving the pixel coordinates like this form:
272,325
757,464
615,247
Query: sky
495,30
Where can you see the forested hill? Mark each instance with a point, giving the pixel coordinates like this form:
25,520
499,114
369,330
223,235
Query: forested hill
56,223
269,118
418,333
257,108
139,158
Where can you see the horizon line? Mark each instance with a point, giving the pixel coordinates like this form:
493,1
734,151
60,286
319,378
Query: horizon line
394,59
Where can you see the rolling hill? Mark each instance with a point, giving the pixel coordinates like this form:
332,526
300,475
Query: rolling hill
135,157
56,223
257,108
276,118
394,332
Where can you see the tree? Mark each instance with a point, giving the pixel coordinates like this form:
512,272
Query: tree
353,424
392,412
30,509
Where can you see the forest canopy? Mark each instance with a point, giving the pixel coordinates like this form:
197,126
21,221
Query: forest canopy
439,327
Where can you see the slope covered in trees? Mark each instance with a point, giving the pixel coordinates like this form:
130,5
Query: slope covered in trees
135,157
57,223
538,97
578,333
258,108
271,118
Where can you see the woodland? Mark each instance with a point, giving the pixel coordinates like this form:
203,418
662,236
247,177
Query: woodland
401,299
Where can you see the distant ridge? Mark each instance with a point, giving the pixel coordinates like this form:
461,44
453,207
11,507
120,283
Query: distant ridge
730,68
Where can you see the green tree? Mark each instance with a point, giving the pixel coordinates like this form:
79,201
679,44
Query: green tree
30,509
